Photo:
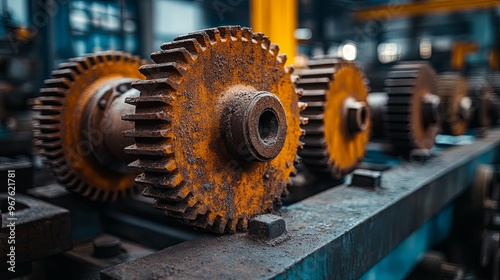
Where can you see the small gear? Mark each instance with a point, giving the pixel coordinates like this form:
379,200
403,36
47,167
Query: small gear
483,100
456,105
223,129
413,119
494,79
339,119
76,129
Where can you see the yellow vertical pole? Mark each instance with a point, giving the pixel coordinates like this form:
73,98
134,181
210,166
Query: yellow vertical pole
277,19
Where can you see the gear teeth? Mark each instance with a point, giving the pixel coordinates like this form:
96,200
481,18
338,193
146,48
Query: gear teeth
224,32
400,88
167,181
200,36
75,66
156,85
154,136
150,150
302,106
314,83
155,116
299,92
231,226
165,196
163,70
149,133
165,165
214,35
150,101
282,58
46,124
180,55
274,49
58,83
242,224
304,120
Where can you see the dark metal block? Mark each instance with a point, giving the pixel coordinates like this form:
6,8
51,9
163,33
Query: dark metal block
41,230
266,226
366,178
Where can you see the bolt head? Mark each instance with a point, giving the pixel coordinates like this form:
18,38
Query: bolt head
266,227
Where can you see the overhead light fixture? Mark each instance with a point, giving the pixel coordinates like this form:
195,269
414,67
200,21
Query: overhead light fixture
388,52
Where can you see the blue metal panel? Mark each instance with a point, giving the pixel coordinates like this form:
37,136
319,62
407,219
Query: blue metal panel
399,263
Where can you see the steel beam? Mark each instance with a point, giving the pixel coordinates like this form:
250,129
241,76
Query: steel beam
397,10
337,234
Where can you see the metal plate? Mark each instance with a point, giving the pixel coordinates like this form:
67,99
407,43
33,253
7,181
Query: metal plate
337,234
41,230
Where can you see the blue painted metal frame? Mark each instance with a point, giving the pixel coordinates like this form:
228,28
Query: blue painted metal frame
338,234
401,261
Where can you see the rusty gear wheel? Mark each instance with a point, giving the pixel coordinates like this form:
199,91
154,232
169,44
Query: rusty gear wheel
485,103
339,119
222,129
456,105
494,79
75,128
413,119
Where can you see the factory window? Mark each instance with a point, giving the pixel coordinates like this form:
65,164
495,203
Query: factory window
103,25
172,18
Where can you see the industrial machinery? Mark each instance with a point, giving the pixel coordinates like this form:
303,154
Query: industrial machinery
408,113
456,105
218,130
254,114
78,128
339,118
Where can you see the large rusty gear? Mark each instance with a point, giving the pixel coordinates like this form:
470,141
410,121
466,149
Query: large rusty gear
456,105
223,128
339,119
77,123
413,119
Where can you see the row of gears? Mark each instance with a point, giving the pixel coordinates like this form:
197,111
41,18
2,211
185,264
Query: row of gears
213,129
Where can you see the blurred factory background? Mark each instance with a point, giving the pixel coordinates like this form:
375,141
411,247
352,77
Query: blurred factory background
458,36
37,35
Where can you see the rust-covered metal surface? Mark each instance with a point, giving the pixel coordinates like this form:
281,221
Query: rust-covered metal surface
222,129
456,105
75,130
339,118
413,119
41,230
337,234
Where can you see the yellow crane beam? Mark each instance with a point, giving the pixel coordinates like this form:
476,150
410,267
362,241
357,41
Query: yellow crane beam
278,21
399,10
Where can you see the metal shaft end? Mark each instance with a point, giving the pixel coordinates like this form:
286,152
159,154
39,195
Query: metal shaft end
254,125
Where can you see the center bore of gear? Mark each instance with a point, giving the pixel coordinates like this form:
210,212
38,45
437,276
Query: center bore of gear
464,108
357,114
430,107
254,125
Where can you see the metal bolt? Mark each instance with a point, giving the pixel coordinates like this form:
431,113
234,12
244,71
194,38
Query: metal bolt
366,178
106,246
102,103
266,226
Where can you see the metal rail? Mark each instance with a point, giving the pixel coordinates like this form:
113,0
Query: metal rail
339,233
